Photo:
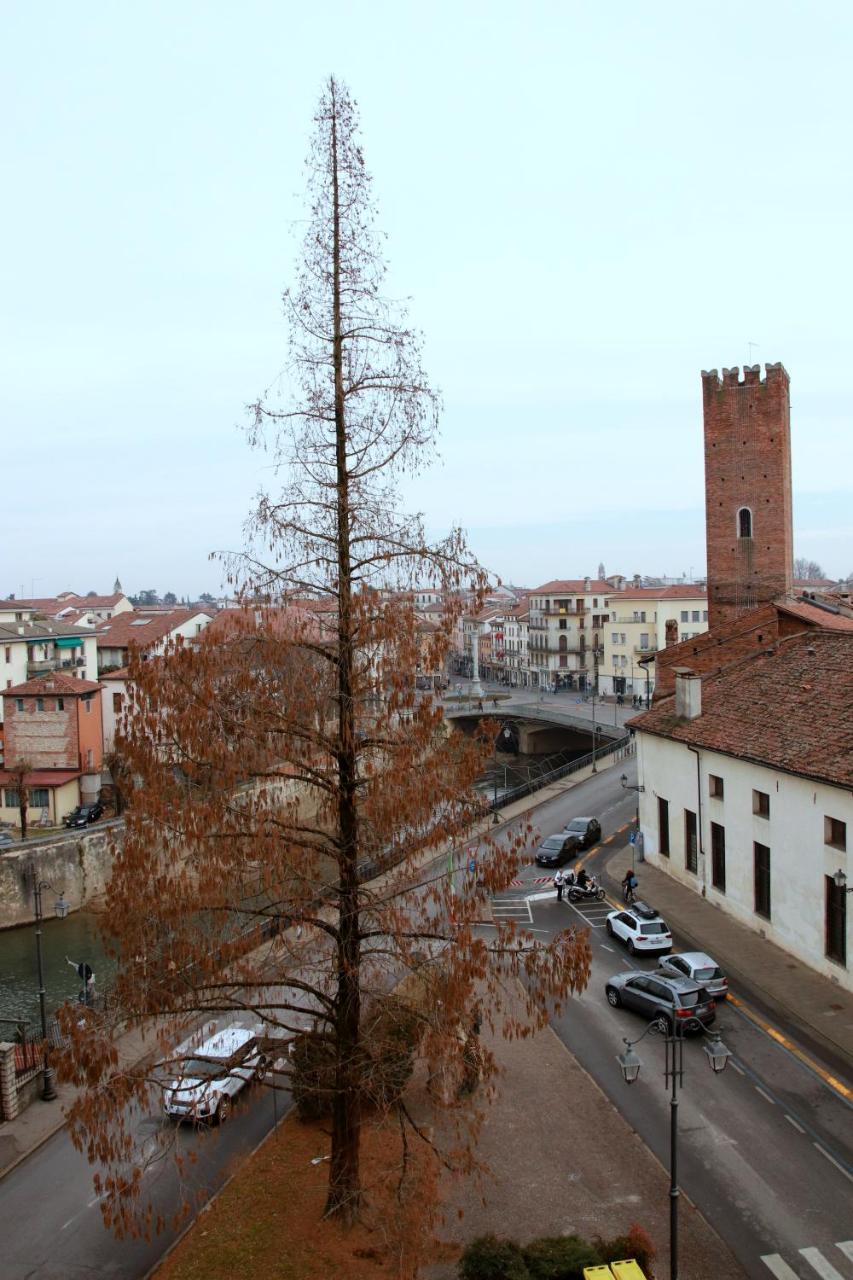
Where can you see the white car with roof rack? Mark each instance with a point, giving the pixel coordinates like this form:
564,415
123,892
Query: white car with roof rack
700,968
640,928
210,1075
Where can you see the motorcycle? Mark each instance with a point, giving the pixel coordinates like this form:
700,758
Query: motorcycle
589,892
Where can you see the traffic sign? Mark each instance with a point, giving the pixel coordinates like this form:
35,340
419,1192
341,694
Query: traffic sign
632,838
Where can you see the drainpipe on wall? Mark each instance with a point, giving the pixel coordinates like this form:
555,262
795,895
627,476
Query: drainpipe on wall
695,751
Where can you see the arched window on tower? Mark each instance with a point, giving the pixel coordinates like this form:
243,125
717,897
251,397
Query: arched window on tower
744,523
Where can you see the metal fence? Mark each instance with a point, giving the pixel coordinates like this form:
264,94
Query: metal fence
619,749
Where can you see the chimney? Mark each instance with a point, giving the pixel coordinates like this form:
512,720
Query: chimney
586,584
637,580
671,625
688,694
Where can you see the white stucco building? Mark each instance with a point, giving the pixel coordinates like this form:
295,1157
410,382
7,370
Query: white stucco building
748,792
636,629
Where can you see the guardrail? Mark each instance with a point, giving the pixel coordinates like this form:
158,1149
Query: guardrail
620,749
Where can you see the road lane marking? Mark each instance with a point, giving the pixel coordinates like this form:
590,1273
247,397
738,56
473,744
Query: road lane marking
846,1247
766,1096
826,1076
738,1069
825,1269
778,1266
832,1160
799,1128
605,947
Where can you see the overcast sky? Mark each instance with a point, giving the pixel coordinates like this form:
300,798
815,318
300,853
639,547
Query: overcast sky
587,204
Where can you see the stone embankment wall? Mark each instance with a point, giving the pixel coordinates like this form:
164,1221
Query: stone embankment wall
76,864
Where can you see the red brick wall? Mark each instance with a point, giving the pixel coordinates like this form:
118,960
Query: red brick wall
709,651
47,739
747,464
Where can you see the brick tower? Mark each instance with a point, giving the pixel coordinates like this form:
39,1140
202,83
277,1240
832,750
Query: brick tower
747,489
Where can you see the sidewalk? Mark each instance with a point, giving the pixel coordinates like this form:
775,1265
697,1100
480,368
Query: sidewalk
763,973
562,1160
40,1120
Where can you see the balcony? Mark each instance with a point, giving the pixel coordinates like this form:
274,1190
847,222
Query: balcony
648,650
558,613
48,665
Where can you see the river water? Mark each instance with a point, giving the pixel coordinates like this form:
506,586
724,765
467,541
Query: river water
78,937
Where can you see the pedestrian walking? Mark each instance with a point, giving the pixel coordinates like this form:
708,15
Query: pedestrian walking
559,882
629,884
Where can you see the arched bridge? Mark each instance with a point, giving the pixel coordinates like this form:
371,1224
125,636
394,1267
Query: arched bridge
537,729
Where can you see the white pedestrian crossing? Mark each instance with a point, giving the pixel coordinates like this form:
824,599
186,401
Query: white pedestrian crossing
818,1263
825,1269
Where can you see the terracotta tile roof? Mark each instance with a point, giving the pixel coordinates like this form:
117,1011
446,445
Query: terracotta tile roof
138,630
42,777
687,591
123,673
68,599
572,586
813,613
51,684
29,631
789,709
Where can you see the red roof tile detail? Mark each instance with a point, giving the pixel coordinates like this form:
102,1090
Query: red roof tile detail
572,586
139,630
52,684
42,777
789,708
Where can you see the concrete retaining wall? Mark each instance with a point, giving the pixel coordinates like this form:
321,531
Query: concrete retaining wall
76,864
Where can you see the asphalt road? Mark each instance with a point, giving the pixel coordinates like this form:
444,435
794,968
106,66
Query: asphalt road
766,1148
50,1221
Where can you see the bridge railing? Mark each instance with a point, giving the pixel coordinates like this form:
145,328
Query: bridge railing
618,749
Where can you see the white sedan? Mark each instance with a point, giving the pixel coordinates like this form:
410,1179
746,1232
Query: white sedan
640,928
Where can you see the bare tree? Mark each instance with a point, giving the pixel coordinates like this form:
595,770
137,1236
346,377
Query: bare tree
284,767
807,570
18,770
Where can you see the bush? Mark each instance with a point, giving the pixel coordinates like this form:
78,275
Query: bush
561,1258
489,1258
636,1244
390,1029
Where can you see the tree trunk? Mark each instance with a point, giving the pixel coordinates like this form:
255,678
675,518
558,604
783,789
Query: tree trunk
344,1193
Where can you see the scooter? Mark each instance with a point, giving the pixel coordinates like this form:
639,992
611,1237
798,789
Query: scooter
589,892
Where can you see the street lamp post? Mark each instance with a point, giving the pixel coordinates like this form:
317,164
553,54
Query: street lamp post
840,879
629,1063
629,786
61,908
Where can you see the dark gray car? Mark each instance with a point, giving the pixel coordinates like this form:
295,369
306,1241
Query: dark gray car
667,1000
556,850
586,831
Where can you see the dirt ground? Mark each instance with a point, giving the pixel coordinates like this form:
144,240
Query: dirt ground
553,1170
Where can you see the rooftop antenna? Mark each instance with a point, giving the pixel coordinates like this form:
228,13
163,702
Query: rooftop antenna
751,345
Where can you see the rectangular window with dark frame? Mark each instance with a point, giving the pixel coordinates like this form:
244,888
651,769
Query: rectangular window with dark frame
718,856
663,826
761,872
691,842
715,786
835,833
761,804
836,921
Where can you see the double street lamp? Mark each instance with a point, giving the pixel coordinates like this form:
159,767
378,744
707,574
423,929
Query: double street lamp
629,1063
61,909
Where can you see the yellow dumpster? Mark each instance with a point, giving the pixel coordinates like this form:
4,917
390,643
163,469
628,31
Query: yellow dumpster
597,1273
627,1270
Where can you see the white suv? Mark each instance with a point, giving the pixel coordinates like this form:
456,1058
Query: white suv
212,1075
640,928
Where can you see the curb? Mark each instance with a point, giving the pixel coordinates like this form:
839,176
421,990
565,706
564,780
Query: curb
46,1137
208,1204
755,990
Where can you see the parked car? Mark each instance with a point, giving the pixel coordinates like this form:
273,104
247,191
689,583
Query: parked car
640,928
5,840
664,999
587,831
556,850
700,968
84,814
208,1081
